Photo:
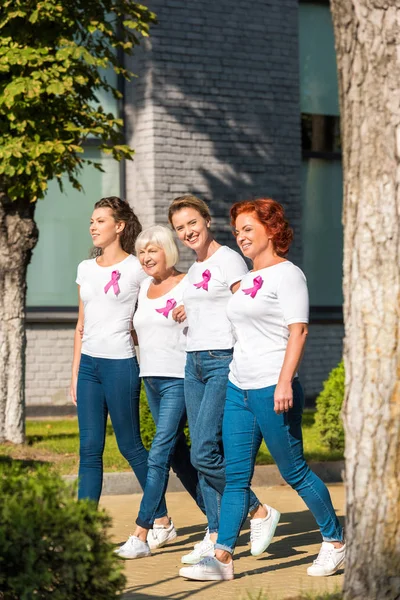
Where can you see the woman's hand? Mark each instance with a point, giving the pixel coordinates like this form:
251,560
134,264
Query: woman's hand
179,314
283,397
81,330
72,389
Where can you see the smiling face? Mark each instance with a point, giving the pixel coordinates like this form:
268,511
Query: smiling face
103,227
251,235
191,228
153,260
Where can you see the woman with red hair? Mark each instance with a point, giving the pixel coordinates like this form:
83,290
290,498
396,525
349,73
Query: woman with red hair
269,316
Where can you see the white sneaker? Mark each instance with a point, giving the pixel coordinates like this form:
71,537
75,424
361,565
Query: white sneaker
159,536
262,530
133,548
208,569
328,561
201,550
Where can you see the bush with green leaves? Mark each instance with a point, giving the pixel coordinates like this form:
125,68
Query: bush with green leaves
329,403
51,546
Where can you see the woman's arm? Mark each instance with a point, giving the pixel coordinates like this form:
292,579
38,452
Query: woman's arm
77,350
283,397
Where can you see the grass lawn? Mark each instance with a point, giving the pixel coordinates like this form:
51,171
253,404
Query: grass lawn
56,442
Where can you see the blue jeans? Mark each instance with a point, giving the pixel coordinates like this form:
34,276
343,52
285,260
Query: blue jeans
109,386
166,400
249,416
206,376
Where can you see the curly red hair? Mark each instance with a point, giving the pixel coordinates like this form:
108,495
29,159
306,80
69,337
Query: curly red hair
272,215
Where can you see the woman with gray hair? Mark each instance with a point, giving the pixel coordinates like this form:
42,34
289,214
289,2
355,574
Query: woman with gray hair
162,343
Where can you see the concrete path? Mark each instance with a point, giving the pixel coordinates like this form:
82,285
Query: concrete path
279,573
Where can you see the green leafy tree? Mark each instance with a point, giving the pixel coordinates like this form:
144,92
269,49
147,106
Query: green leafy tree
53,56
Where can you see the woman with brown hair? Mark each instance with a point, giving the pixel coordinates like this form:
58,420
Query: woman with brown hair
269,316
105,371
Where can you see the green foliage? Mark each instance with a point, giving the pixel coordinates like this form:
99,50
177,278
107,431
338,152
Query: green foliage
329,405
53,56
52,546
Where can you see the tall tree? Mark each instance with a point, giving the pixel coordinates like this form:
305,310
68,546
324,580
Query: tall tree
367,36
53,56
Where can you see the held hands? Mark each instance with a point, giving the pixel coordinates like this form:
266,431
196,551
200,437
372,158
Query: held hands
283,397
179,314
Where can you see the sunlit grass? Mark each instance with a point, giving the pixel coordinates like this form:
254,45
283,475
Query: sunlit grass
57,441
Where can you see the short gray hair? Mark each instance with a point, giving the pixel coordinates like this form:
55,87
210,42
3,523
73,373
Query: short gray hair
162,237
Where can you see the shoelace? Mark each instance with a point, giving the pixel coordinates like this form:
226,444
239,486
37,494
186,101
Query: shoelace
255,531
203,545
323,556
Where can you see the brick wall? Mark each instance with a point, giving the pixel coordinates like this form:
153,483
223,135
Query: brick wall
48,363
323,352
216,109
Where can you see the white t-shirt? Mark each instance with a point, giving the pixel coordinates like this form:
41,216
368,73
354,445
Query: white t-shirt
206,297
108,314
267,302
162,341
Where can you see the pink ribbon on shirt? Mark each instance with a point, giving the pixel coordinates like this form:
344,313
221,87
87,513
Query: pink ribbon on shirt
171,303
204,282
258,281
115,275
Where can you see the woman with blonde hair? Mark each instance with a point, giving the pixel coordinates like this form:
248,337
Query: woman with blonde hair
211,280
162,343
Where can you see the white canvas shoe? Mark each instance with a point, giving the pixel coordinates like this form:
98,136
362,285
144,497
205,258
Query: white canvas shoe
208,569
160,536
133,548
201,550
262,530
328,561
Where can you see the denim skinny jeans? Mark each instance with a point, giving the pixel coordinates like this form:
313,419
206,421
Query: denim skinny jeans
166,399
249,416
109,386
206,377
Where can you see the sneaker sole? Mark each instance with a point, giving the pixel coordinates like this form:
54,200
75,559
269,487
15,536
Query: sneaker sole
141,555
275,521
168,540
207,577
337,568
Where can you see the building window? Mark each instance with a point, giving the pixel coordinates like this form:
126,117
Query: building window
63,221
321,148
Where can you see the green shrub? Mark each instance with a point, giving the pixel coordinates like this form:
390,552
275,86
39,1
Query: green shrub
329,405
51,546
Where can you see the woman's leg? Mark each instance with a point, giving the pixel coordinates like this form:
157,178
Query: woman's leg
121,382
92,419
242,439
203,429
166,400
180,458
283,436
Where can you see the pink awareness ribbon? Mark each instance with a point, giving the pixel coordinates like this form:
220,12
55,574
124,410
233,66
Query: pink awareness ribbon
115,275
258,281
171,303
204,282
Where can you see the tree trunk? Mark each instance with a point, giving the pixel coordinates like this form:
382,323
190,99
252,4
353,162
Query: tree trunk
18,236
367,36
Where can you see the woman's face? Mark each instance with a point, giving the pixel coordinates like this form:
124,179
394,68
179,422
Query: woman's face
153,260
103,227
251,235
191,228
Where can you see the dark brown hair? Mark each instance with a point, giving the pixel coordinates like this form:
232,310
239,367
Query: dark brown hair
189,201
272,215
121,211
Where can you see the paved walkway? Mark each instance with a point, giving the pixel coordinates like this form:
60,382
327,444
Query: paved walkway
279,573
